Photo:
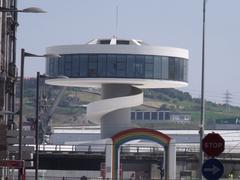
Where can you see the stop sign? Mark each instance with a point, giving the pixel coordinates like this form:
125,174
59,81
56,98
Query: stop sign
213,144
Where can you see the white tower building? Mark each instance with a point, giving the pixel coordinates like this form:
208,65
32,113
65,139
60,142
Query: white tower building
121,68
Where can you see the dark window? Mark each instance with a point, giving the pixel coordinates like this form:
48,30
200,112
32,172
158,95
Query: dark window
171,67
153,115
148,66
121,65
185,70
130,66
102,64
51,66
105,41
139,116
146,115
167,115
133,116
61,65
160,115
67,65
139,66
157,67
92,65
124,42
111,65
47,66
164,67
75,65
177,69
181,69
83,65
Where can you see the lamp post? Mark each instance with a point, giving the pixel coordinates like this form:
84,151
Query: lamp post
23,55
37,127
202,121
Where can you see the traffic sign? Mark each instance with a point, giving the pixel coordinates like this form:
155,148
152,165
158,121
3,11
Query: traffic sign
213,144
212,169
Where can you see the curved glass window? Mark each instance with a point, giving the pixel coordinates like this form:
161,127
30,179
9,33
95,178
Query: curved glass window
118,66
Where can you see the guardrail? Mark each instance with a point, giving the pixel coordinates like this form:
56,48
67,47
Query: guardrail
127,148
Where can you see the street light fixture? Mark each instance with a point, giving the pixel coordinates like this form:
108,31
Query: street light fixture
26,10
23,55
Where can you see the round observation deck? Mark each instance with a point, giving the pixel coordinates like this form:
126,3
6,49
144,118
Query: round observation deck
119,61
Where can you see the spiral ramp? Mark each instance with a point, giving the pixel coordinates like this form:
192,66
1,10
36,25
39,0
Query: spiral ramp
113,111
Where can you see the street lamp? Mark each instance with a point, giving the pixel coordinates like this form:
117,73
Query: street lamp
23,55
202,121
26,10
12,43
39,76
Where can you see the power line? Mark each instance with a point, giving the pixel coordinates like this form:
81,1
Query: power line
227,100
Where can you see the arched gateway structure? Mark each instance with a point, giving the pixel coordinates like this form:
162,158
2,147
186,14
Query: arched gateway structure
113,150
121,68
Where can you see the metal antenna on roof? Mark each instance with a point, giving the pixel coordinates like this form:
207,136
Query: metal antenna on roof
116,30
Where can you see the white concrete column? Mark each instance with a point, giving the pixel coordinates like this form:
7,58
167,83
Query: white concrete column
108,158
172,160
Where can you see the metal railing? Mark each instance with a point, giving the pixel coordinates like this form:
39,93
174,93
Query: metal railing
126,148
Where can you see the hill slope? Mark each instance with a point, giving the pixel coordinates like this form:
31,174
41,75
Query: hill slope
70,110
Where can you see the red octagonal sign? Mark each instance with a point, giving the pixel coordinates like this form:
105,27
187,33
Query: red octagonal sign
213,144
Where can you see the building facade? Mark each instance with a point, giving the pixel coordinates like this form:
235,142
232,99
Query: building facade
8,24
121,68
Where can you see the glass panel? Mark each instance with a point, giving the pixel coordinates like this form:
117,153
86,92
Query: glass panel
154,115
124,42
157,67
177,69
148,66
102,65
83,65
181,70
139,116
47,66
111,65
160,115
167,115
51,66
67,65
132,115
164,67
92,65
130,66
139,66
61,66
55,70
185,70
146,115
171,68
105,41
121,65
75,65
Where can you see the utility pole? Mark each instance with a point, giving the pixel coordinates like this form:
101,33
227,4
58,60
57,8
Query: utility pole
202,120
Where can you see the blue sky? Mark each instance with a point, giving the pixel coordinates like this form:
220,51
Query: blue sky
159,22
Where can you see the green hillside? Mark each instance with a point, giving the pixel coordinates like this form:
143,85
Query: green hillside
70,109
